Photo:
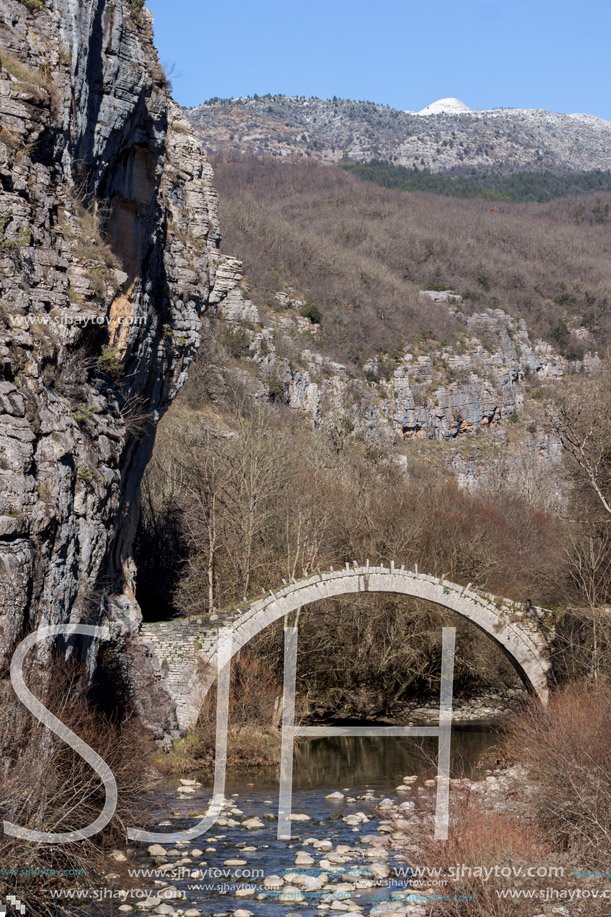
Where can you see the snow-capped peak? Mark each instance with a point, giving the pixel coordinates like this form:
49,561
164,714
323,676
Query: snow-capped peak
445,107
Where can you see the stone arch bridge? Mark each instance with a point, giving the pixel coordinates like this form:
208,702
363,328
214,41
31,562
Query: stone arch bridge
186,648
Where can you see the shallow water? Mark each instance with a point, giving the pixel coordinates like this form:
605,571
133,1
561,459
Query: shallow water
321,766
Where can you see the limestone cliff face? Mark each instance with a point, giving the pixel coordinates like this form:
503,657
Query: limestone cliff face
108,258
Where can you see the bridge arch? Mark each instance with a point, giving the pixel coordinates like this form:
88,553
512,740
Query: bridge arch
521,632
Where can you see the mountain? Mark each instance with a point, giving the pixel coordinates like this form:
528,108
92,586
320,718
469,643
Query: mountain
445,136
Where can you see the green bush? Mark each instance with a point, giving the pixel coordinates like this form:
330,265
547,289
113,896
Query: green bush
34,6
312,312
275,391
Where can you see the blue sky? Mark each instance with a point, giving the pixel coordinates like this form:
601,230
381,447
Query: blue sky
550,54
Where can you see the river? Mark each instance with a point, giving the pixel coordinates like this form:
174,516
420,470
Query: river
365,770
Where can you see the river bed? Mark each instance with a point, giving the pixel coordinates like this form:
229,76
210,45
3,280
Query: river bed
338,839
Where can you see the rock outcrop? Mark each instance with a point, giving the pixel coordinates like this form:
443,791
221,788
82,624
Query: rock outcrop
108,259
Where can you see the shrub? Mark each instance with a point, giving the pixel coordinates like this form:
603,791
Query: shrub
135,8
276,391
482,838
254,737
46,786
312,312
566,748
237,341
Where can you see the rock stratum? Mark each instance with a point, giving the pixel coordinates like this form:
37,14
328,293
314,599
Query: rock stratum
108,258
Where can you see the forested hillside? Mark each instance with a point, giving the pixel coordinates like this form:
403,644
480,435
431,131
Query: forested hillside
362,253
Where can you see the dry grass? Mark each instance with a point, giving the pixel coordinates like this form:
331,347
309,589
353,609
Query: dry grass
46,786
20,72
254,737
478,838
558,816
567,751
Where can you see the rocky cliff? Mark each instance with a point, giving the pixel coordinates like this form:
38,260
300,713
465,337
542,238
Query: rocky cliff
108,259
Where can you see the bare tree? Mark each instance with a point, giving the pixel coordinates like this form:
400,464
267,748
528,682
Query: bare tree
581,419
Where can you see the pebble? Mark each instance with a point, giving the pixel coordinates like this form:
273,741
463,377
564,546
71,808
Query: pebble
273,882
304,859
118,856
336,795
253,824
291,893
156,850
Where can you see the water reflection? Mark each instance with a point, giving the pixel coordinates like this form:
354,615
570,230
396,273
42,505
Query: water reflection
381,763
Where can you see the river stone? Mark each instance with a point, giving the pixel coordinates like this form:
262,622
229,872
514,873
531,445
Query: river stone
322,845
336,795
165,909
196,852
193,913
358,818
156,850
304,859
170,893
379,870
311,884
247,891
148,904
299,816
125,908
387,907
337,858
235,862
412,779
184,782
241,912
291,893
293,878
253,824
118,856
273,882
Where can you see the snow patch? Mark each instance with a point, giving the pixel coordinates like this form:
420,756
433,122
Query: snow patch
445,107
